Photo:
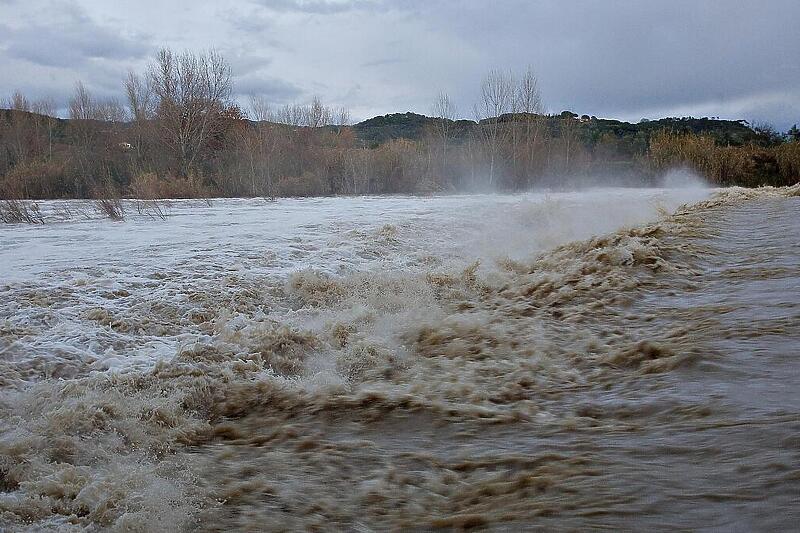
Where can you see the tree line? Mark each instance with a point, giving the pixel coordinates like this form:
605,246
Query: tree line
180,133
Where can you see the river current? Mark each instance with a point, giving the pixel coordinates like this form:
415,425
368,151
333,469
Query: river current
614,359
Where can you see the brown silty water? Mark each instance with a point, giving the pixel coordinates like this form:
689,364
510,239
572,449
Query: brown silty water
642,380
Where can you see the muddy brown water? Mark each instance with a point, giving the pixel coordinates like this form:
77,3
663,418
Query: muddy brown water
712,445
644,380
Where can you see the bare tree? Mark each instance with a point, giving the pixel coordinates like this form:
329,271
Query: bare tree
445,112
496,99
261,110
569,137
528,96
140,97
46,110
291,115
20,127
359,168
192,91
342,116
91,132
530,106
26,141
82,105
141,111
316,114
261,142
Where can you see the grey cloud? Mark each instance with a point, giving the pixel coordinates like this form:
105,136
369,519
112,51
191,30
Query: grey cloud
248,20
612,57
273,89
384,62
621,58
71,39
69,50
320,6
244,63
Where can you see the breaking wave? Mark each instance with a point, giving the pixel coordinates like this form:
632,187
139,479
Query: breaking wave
450,392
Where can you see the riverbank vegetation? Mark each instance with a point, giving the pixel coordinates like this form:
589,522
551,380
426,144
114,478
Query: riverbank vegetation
180,133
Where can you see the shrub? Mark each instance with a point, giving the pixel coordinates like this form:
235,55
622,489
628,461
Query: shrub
107,202
749,165
309,184
111,208
149,186
20,212
788,158
37,179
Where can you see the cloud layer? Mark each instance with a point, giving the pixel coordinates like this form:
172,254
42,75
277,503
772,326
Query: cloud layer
621,58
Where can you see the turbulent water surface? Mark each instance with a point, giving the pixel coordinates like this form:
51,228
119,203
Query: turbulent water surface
602,359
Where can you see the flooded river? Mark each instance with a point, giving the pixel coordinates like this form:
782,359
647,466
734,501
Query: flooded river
610,359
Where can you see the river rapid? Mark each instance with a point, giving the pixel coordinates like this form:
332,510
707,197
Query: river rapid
620,359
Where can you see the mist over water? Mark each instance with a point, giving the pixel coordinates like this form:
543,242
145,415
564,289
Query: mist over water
539,361
683,178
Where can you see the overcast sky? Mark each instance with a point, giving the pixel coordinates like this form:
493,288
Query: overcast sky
621,59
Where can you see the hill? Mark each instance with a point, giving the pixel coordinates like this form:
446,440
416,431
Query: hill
589,129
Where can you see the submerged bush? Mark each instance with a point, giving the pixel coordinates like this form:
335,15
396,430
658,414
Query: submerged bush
111,208
20,212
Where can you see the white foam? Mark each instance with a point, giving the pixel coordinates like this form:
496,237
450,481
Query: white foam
123,295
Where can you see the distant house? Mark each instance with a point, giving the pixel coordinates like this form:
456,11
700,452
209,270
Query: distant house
126,146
